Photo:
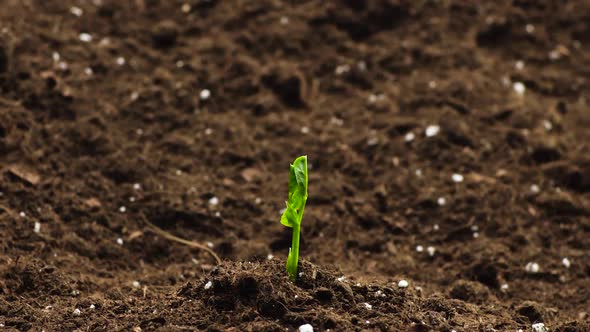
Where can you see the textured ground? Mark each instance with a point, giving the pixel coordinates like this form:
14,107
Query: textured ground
104,121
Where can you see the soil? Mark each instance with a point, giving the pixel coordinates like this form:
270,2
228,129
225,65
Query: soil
105,121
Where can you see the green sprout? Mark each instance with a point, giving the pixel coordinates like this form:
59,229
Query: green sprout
294,212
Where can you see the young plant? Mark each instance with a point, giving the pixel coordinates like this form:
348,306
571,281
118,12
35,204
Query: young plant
294,212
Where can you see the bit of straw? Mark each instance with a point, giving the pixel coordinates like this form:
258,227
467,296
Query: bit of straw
155,229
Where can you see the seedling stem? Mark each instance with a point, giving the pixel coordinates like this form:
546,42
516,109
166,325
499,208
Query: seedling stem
294,212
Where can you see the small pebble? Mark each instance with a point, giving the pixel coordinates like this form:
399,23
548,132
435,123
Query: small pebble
136,284
432,130
305,328
284,20
519,65
56,57
432,84
122,209
372,141
77,312
336,121
504,287
475,235
539,327
186,8
37,227
341,279
532,267
519,88
402,284
457,178
88,71
208,285
368,306
208,131
418,172
120,241
529,28
137,186
435,227
361,65
205,94
373,98
76,11
566,262
409,136
431,251
305,130
209,244
535,188
85,37
419,248
258,200
213,200
576,44
441,201
120,61
548,125
131,199
92,307
22,214
342,69
270,256
104,41
554,55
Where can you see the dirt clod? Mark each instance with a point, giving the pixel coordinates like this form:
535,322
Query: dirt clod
288,84
164,34
532,310
469,291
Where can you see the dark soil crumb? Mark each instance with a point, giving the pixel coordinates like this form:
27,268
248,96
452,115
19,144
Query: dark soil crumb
447,142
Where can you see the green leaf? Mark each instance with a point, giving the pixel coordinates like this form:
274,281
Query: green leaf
289,217
298,185
300,169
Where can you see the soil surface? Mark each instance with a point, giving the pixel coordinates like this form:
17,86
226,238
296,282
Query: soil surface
447,143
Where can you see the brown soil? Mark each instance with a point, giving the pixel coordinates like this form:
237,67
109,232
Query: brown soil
90,143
